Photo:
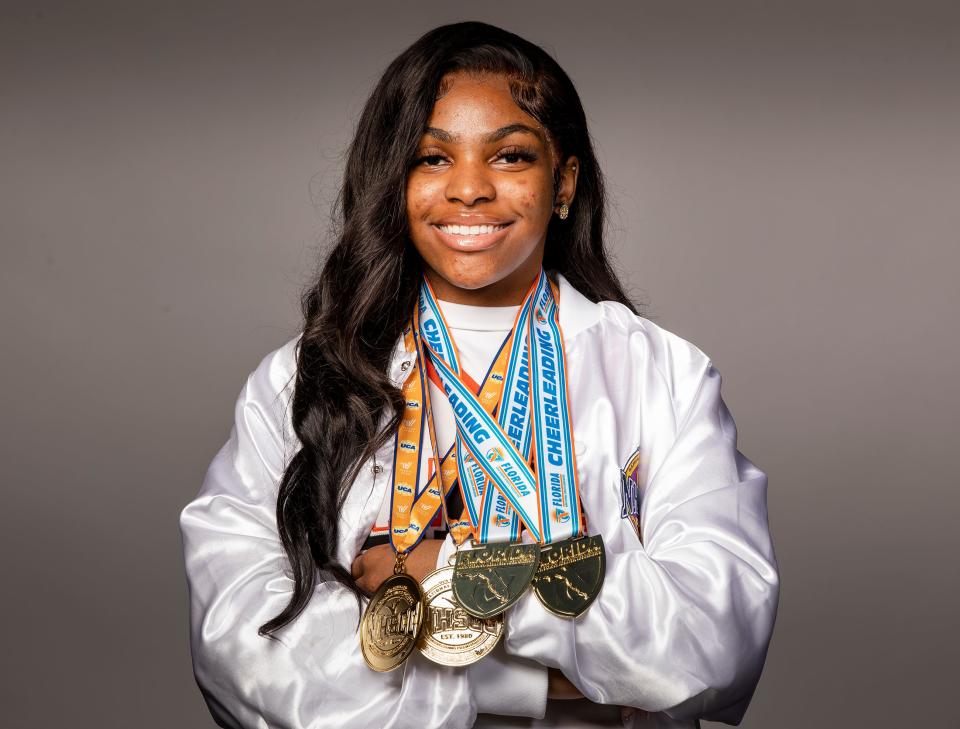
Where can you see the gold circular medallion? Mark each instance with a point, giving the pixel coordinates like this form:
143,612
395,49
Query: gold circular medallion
392,623
451,636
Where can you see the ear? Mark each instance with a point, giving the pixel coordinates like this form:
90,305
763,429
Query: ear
567,174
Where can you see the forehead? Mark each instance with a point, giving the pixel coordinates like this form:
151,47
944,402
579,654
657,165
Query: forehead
470,103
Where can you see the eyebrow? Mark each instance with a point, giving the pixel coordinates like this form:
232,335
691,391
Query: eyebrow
444,136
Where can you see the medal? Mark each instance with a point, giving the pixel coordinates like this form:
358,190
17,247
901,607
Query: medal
392,621
451,636
570,575
490,578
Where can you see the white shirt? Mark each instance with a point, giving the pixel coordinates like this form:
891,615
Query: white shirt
679,631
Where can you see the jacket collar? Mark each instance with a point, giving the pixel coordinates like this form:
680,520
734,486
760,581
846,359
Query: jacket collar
577,313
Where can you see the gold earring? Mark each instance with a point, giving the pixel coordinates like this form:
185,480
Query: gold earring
564,211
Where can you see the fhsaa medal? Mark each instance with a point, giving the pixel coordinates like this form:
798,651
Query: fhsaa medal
570,575
392,621
451,636
490,578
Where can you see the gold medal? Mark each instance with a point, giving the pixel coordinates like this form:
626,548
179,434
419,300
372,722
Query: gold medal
451,636
490,578
392,621
570,575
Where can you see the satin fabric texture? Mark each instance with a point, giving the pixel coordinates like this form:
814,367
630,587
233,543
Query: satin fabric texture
678,633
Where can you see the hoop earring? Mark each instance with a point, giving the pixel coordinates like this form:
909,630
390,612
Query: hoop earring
564,211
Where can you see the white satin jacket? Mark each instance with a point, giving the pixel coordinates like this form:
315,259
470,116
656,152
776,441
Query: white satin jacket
679,631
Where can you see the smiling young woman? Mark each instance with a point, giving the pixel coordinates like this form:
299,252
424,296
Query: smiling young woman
473,388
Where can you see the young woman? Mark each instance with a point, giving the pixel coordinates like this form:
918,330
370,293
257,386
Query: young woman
472,205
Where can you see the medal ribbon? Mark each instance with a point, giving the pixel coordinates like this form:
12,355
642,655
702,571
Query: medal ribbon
499,523
556,462
411,511
546,501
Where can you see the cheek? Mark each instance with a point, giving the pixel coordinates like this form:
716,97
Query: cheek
415,207
531,197
535,210
420,198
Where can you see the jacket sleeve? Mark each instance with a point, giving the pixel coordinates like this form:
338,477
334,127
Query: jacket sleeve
238,576
683,621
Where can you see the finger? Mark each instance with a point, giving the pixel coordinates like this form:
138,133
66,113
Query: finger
356,569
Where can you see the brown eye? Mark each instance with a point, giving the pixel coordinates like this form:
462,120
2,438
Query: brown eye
515,155
430,159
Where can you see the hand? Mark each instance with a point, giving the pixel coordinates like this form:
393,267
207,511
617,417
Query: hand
372,567
558,687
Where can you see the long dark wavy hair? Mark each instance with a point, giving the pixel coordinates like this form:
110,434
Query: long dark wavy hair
345,406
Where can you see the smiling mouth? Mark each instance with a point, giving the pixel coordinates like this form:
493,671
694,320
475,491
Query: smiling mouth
471,237
470,229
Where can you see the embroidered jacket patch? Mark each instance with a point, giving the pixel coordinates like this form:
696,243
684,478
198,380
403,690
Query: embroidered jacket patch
630,491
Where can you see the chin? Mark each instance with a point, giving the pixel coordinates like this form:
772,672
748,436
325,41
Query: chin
471,281
471,272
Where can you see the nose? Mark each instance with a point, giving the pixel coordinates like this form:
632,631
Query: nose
469,182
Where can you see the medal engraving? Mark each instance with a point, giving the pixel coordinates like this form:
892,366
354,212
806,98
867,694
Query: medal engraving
570,575
451,636
490,578
392,623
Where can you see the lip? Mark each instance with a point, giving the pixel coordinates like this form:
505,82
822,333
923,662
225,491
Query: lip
480,242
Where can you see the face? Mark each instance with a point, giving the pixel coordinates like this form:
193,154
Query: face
483,161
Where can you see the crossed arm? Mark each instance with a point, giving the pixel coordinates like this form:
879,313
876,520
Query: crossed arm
375,565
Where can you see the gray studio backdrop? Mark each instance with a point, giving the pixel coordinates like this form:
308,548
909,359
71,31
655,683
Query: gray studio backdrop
784,180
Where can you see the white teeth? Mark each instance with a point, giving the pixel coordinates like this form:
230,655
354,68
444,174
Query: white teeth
470,229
